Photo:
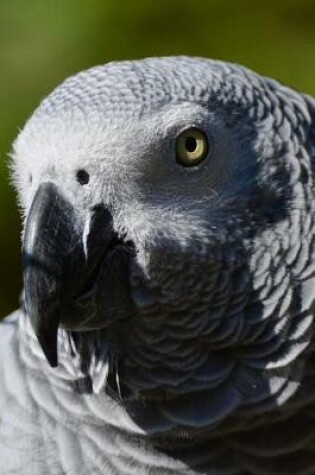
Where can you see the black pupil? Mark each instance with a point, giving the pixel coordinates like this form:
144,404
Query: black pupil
191,144
83,177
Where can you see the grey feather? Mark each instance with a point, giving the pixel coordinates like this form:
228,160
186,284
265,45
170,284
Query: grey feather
189,349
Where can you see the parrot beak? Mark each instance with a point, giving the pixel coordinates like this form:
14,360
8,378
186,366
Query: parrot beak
61,258
49,244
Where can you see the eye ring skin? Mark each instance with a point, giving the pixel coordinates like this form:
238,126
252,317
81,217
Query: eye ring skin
192,147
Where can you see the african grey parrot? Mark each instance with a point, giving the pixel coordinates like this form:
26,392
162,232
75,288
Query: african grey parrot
166,324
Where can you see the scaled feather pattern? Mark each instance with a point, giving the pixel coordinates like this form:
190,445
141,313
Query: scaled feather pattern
175,304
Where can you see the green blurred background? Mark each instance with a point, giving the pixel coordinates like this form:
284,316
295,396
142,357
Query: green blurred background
42,42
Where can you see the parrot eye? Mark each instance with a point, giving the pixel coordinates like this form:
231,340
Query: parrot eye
83,177
191,147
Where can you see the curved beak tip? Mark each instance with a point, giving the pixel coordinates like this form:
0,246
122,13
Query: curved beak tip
48,343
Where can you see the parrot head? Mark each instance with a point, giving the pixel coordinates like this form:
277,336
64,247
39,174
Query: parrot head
166,233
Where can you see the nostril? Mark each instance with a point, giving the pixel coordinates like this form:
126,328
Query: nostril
82,177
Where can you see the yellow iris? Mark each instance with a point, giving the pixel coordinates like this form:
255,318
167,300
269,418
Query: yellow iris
191,147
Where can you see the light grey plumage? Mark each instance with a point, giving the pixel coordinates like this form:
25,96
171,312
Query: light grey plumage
201,362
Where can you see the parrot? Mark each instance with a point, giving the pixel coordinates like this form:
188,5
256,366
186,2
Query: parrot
166,323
